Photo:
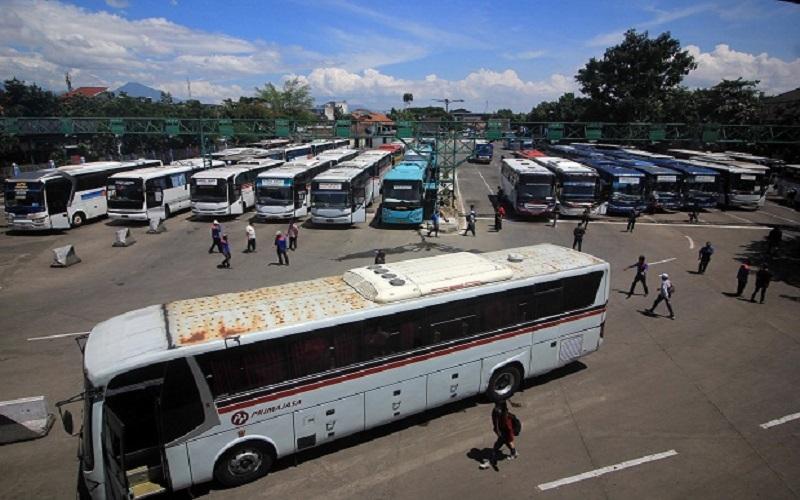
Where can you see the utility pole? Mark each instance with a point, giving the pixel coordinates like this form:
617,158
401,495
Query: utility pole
189,88
447,102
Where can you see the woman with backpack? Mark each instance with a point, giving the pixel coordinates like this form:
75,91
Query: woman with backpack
505,425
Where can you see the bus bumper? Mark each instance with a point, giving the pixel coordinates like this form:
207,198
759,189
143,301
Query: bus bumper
138,216
30,222
208,210
284,213
407,217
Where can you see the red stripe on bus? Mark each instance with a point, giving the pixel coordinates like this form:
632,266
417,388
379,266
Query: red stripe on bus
399,363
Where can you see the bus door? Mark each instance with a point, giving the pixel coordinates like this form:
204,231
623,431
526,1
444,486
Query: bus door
248,189
359,207
154,199
235,197
300,195
57,195
114,456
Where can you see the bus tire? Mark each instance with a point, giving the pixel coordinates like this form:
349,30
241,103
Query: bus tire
504,383
244,463
167,212
78,219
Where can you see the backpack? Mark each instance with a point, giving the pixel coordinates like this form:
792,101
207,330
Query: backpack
516,424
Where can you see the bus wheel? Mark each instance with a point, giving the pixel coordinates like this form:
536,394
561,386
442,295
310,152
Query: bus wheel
78,219
243,463
504,383
166,211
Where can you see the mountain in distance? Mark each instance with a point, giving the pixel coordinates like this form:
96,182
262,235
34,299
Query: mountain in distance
134,89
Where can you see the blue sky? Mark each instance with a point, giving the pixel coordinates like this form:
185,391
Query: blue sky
493,55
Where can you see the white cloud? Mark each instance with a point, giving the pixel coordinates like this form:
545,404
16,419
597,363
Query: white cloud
117,4
660,17
503,89
526,55
776,75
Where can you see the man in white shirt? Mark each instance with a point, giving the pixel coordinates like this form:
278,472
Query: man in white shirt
664,293
251,238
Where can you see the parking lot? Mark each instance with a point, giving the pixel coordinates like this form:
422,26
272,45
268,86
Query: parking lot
680,402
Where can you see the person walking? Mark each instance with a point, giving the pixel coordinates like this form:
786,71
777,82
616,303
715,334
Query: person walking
380,256
293,232
499,213
556,213
774,240
251,238
471,219
280,247
704,256
741,277
578,234
763,277
216,235
693,217
225,249
503,426
498,200
664,293
585,218
436,216
641,275
632,220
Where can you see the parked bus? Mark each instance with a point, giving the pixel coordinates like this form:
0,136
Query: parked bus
339,155
528,154
221,387
528,187
421,152
232,156
269,143
283,192
380,163
701,185
662,185
484,150
788,185
152,192
404,190
621,188
227,190
396,148
341,194
297,150
63,197
741,187
576,188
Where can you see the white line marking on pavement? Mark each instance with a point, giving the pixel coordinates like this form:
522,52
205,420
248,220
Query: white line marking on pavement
704,226
779,217
779,421
691,241
606,470
484,181
663,261
738,218
59,336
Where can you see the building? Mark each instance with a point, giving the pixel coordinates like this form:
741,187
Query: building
371,123
85,92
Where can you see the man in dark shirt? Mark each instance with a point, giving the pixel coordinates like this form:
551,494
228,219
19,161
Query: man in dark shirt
578,237
704,257
763,277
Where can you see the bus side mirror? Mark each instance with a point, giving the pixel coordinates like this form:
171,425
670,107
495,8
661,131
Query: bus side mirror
66,422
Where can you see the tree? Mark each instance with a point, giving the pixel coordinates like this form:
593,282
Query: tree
19,99
568,108
730,101
293,101
633,78
408,97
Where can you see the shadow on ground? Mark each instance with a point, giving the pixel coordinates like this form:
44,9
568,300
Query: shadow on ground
784,263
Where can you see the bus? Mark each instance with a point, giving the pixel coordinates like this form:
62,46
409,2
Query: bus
576,188
283,192
339,155
788,185
621,188
741,187
396,148
483,152
232,156
528,154
220,388
63,197
701,185
152,192
380,163
296,150
341,194
528,187
269,143
404,193
662,185
227,190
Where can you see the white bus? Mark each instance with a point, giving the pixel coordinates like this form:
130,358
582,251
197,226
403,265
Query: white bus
528,187
219,388
152,192
227,190
283,192
293,151
577,186
232,156
744,185
63,197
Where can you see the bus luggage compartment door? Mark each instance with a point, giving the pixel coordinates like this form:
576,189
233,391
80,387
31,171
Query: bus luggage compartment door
395,401
326,422
114,457
454,383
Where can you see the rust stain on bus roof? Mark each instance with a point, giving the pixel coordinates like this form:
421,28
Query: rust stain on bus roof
195,321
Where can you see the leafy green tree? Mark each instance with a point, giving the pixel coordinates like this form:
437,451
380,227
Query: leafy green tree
19,99
730,101
408,97
293,101
632,78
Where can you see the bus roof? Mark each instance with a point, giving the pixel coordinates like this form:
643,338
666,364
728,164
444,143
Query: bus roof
526,167
258,162
307,162
199,162
161,332
225,172
377,153
151,172
691,167
611,167
649,168
285,171
406,171
647,154
343,172
72,170
565,166
337,154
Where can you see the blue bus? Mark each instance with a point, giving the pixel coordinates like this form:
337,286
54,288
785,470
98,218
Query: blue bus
701,185
662,185
622,188
484,150
404,192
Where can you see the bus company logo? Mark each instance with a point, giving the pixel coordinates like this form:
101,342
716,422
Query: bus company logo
240,418
272,409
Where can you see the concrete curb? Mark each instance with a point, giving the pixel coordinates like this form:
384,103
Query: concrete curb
23,419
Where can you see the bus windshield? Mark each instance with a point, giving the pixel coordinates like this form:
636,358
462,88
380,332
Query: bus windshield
329,199
274,195
125,193
401,191
745,183
701,184
24,195
209,190
578,187
626,188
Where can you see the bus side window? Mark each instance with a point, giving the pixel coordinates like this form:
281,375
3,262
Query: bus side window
580,291
548,299
310,354
499,310
346,344
181,406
